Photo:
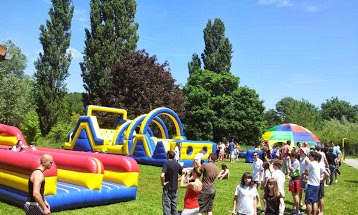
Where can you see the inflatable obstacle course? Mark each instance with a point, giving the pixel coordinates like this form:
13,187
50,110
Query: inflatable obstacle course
135,137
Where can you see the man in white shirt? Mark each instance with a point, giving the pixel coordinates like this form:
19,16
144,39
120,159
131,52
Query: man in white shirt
279,176
257,172
312,193
199,157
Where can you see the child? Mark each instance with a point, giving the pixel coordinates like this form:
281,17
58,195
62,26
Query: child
294,185
224,173
191,205
245,196
267,174
273,199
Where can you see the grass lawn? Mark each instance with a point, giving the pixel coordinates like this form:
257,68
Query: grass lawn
340,198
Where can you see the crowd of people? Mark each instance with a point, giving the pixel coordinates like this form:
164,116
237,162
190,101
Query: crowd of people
309,171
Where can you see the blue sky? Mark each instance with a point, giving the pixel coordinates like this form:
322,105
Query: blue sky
299,48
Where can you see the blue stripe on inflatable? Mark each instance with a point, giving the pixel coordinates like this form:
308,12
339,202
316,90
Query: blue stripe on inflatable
88,120
121,132
136,122
70,196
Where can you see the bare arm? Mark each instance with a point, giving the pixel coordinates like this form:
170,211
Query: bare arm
162,179
233,212
282,207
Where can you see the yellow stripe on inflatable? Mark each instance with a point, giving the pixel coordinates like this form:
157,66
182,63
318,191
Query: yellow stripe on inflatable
128,179
197,147
84,125
91,181
8,140
117,149
20,181
91,108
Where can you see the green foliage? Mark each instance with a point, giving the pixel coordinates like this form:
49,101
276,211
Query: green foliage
298,112
335,108
30,128
16,65
272,118
218,49
113,33
249,115
195,63
16,96
217,108
52,64
336,130
74,103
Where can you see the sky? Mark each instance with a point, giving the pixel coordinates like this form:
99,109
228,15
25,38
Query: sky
305,49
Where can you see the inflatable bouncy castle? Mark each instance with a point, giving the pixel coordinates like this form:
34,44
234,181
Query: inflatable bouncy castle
76,179
135,138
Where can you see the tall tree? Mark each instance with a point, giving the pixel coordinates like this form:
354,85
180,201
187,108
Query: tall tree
53,63
113,33
16,96
272,118
299,112
335,108
218,49
194,64
216,108
140,84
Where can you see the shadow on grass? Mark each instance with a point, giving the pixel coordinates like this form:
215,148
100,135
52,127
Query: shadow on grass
351,181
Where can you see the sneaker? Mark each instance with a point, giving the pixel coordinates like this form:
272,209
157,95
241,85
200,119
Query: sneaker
303,207
336,181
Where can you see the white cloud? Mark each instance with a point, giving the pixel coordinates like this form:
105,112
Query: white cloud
75,53
278,3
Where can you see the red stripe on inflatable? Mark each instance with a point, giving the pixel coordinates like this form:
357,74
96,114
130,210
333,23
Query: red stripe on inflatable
12,131
23,163
72,162
110,162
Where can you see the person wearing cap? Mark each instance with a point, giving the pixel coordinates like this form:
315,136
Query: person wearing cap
303,181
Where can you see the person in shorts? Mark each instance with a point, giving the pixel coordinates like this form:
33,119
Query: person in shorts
207,195
294,185
313,184
303,178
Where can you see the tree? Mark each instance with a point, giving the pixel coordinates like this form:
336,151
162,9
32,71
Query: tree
194,64
218,49
74,104
113,33
249,112
16,98
52,64
140,84
298,112
272,118
215,105
335,108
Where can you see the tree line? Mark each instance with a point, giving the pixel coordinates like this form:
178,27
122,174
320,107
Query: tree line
212,104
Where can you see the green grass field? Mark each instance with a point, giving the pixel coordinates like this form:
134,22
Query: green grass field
340,198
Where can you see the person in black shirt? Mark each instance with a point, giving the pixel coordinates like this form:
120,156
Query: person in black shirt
36,202
169,180
332,162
